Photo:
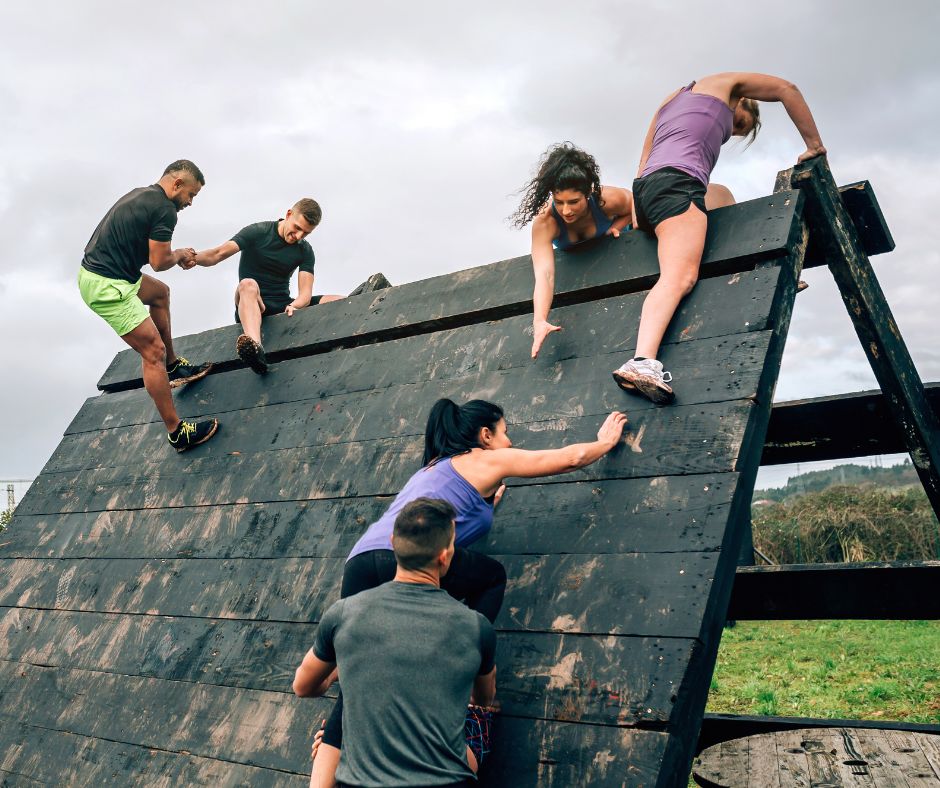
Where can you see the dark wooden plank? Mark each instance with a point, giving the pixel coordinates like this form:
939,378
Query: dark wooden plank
614,267
830,428
605,328
712,370
700,439
865,212
249,727
32,755
660,594
875,325
724,727
902,590
542,675
581,517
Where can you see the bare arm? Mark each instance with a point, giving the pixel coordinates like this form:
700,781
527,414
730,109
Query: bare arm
304,292
485,470
735,85
484,688
544,230
618,206
215,256
313,676
162,258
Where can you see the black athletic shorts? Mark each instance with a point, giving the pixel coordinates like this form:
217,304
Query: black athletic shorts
277,307
664,194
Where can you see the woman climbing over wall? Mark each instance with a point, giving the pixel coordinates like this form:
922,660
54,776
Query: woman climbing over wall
467,454
680,151
568,206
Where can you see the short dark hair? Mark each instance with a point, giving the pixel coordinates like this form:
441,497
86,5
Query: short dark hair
185,165
309,209
422,529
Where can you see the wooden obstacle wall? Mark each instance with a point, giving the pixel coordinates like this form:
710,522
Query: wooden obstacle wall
153,606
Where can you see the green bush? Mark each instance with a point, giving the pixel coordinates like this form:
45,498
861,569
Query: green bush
848,523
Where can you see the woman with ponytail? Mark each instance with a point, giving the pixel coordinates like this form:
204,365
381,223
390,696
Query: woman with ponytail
567,206
467,455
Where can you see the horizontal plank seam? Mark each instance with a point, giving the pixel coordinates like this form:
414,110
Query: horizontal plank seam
714,269
365,390
390,494
183,753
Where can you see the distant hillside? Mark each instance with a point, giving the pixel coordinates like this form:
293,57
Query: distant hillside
894,477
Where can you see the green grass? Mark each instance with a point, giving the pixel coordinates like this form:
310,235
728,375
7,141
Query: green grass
851,669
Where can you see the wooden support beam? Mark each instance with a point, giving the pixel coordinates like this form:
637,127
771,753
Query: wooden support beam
717,728
832,226
901,590
831,428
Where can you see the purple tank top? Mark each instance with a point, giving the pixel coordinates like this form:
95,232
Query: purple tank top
439,480
690,130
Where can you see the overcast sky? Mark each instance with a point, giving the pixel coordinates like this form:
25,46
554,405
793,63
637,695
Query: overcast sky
414,124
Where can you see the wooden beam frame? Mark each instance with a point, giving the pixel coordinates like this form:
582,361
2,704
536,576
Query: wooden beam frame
902,590
868,309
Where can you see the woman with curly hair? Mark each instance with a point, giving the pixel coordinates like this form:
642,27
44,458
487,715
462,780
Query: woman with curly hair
681,148
567,206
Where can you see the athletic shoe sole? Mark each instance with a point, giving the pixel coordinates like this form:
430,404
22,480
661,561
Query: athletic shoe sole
175,384
213,431
648,386
250,351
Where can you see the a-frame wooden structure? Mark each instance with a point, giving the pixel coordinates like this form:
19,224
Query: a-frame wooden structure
153,606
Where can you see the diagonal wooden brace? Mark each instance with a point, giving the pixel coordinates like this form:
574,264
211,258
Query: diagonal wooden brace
834,232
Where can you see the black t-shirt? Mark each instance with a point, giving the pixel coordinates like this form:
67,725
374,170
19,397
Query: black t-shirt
270,260
119,246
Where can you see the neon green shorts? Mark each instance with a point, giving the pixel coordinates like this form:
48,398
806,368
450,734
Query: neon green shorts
114,300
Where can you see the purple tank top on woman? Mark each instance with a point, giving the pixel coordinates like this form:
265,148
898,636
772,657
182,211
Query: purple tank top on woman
439,480
690,130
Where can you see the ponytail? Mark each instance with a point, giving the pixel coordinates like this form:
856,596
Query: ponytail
454,429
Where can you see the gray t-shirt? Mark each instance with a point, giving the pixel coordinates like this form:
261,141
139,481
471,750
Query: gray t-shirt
407,654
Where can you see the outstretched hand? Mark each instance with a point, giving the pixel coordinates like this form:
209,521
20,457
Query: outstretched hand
540,330
612,428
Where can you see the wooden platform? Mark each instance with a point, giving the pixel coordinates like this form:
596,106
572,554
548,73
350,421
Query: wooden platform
153,606
824,758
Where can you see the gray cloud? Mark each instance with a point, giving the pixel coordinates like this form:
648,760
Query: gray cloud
414,124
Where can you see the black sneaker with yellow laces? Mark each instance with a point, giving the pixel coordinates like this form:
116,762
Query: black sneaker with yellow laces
181,371
192,433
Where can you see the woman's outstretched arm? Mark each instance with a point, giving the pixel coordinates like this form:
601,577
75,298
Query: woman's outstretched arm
544,229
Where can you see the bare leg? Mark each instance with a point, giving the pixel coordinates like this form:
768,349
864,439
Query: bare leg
327,298
681,241
324,767
145,339
718,196
250,308
156,295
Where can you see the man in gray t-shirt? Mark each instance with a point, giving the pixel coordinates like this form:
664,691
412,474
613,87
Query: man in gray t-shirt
409,656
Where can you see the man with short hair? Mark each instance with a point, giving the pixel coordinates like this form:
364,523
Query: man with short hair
409,656
271,252
137,231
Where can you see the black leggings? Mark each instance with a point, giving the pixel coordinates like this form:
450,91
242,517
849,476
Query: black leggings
473,578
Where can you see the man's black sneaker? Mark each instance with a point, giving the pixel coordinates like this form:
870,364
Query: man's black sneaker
251,353
192,433
373,283
183,372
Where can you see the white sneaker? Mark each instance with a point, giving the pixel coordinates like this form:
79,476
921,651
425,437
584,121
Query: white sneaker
647,378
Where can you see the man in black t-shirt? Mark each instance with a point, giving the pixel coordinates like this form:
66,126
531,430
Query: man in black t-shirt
270,253
409,656
137,231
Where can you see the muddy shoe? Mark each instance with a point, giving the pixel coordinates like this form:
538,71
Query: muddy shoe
183,372
646,377
192,433
251,353
373,283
